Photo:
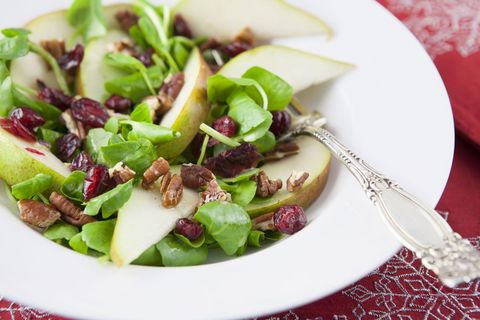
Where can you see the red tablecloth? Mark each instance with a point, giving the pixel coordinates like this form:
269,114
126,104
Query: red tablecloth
401,288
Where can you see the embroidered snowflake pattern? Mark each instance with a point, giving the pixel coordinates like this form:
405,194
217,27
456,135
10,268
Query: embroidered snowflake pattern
442,25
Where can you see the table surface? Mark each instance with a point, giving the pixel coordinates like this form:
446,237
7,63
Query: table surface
402,288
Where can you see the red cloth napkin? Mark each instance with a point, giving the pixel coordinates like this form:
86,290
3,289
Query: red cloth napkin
402,288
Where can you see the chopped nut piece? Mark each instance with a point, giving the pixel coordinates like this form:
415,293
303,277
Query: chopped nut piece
195,176
73,126
70,213
165,181
282,150
121,173
158,168
264,222
56,47
265,186
246,36
126,19
214,193
173,193
296,180
169,92
124,46
37,214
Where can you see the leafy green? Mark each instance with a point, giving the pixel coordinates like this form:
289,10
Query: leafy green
228,223
60,230
244,192
219,88
49,136
112,125
203,150
218,136
98,235
180,53
46,110
195,244
130,64
265,143
87,17
175,253
278,91
133,86
72,187
96,139
150,257
243,176
33,186
142,113
110,201
152,132
255,238
13,45
6,98
77,244
137,155
273,235
253,120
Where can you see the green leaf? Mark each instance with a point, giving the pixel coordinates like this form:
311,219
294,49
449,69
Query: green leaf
96,139
133,86
243,176
72,187
195,244
32,187
255,238
244,192
218,136
137,36
137,155
203,150
46,110
150,257
142,113
265,143
14,32
151,24
174,253
278,91
49,136
112,125
130,64
219,87
77,244
273,235
60,230
253,120
228,223
152,132
87,17
98,235
6,98
180,54
12,48
110,201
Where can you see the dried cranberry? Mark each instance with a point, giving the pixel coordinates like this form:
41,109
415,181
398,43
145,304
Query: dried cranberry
196,145
53,96
126,19
17,129
226,126
89,112
280,123
234,48
28,118
97,180
146,57
71,60
232,162
180,27
190,229
119,104
289,219
67,145
81,162
35,151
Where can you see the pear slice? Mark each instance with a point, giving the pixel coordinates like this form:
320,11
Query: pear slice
143,221
268,19
313,158
306,69
21,160
190,108
54,25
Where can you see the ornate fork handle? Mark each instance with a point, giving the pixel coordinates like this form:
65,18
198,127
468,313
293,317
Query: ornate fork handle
418,228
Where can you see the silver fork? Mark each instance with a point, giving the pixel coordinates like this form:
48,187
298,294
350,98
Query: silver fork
418,228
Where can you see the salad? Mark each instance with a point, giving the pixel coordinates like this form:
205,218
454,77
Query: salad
135,139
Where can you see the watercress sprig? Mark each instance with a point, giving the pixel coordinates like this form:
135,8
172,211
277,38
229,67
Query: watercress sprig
87,17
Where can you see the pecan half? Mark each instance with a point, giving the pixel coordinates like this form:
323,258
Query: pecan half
265,186
169,92
37,214
264,222
124,46
173,193
296,180
282,150
195,176
246,36
70,213
165,181
158,168
214,193
73,126
121,173
126,19
56,47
